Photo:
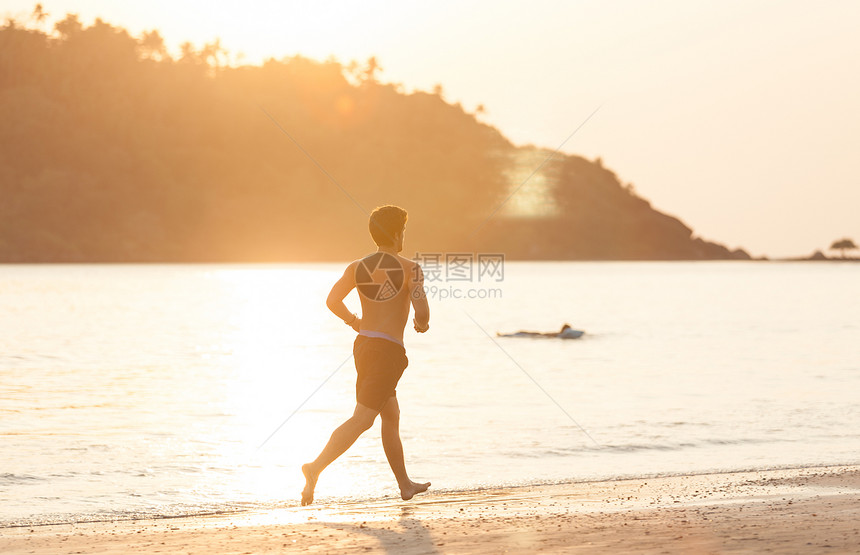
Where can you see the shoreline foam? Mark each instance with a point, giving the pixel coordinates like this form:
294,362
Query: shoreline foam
789,511
239,508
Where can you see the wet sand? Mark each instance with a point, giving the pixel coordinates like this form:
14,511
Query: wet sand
780,511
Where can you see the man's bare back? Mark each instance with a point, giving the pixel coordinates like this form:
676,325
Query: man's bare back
387,284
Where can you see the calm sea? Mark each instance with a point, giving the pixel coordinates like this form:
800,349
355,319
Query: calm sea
156,390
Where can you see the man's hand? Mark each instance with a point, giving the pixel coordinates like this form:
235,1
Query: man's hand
418,328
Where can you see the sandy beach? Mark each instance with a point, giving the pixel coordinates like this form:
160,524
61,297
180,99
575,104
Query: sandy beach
776,511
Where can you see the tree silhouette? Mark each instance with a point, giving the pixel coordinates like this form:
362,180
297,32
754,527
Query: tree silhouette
69,26
214,54
113,150
39,15
843,245
152,45
371,69
188,55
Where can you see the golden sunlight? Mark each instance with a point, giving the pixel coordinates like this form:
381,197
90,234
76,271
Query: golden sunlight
276,336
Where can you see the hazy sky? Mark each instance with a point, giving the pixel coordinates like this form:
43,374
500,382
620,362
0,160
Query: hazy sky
740,117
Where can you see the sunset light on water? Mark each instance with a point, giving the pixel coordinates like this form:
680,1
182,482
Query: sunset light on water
429,277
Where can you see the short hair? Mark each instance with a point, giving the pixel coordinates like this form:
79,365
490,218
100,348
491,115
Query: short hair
385,222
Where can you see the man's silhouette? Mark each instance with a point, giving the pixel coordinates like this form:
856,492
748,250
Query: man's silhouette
387,284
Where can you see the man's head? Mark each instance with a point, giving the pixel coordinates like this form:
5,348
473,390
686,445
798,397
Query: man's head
387,224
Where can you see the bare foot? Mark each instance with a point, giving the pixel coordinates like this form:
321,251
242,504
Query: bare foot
310,484
412,488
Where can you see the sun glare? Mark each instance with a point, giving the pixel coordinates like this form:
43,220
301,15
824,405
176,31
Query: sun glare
276,343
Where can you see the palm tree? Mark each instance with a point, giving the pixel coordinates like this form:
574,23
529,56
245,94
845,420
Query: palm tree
39,14
843,245
371,69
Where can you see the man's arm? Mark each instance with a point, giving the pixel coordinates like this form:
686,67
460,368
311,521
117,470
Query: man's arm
419,301
338,292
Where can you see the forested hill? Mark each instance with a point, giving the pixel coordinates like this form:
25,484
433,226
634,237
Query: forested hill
113,150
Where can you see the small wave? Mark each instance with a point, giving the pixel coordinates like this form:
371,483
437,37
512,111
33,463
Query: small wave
638,447
162,513
8,478
69,407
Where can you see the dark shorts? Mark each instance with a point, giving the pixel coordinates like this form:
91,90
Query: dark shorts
379,363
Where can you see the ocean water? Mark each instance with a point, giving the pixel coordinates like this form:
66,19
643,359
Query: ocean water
159,390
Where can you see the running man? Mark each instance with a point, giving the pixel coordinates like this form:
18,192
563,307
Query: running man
387,284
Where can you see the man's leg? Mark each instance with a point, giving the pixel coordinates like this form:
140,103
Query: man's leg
394,450
341,440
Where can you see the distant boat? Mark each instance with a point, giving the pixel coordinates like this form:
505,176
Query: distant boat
566,332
